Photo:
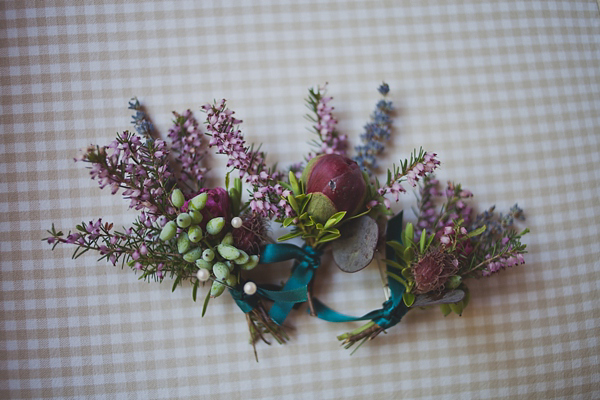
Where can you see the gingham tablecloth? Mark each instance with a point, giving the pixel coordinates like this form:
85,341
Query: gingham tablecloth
507,93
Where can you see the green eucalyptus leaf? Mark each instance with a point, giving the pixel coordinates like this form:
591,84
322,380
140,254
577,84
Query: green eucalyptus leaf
356,247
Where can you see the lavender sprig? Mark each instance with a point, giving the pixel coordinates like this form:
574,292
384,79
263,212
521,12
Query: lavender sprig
376,133
140,120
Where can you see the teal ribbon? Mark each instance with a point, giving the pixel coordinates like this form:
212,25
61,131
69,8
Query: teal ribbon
308,260
294,291
393,309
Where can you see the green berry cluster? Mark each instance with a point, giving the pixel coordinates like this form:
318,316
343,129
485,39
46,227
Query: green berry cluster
210,250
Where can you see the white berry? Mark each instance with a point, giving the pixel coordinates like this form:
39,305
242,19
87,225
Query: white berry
250,288
203,275
236,222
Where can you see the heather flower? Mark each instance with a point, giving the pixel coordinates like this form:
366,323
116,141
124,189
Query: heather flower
186,142
325,125
420,165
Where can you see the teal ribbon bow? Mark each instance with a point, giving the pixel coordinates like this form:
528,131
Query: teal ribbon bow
393,309
294,291
308,260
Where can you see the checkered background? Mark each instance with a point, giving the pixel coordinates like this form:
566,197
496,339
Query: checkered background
508,95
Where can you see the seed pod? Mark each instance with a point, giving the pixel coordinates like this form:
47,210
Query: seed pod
183,243
230,265
231,280
198,202
177,198
202,264
196,216
168,231
221,271
228,239
215,225
243,258
217,289
252,262
195,234
184,220
208,255
193,255
228,252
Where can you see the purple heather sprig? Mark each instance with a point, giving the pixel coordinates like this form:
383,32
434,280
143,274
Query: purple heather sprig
376,133
409,171
266,197
325,125
141,169
186,142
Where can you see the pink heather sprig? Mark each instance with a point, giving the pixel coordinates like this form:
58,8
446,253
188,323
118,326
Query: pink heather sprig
266,198
138,246
140,168
325,125
409,171
186,142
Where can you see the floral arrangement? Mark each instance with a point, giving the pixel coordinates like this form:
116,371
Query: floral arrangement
332,202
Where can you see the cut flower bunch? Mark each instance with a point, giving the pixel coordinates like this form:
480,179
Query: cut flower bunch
330,200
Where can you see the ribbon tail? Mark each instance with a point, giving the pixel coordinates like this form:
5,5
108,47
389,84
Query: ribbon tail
327,314
301,276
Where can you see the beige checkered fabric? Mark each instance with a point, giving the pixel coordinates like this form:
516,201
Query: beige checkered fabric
507,93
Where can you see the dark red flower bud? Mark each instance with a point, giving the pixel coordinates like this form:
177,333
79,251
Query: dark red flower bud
337,184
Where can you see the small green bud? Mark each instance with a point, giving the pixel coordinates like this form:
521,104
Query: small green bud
228,239
221,271
230,265
168,231
208,255
231,280
199,201
184,220
177,198
243,258
193,255
252,262
183,243
453,282
228,252
196,216
195,234
203,264
217,289
215,225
